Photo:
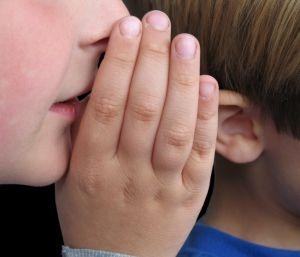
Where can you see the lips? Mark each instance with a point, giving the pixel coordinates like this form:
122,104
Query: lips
67,109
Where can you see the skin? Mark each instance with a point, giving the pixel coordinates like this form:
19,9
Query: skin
36,65
150,148
143,145
38,143
257,178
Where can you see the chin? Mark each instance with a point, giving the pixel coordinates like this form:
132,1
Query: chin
42,157
40,174
51,155
46,164
45,177
49,170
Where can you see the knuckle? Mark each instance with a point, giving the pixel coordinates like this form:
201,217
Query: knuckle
144,109
185,80
193,190
90,184
158,196
179,136
130,191
205,115
191,201
156,51
169,198
105,109
203,145
122,61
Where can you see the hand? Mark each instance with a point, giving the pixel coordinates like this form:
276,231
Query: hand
143,154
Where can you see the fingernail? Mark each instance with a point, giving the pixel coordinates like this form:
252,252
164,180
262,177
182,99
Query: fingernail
130,27
158,20
186,47
206,90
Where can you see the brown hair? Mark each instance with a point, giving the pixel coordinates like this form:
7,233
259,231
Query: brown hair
249,46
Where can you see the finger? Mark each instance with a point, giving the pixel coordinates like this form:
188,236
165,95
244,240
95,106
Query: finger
175,136
148,89
102,121
197,171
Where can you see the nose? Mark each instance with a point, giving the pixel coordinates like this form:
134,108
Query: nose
100,21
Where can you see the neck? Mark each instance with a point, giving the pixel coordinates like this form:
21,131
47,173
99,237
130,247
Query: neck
247,208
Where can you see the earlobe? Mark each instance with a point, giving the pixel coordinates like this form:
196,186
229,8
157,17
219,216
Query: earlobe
240,132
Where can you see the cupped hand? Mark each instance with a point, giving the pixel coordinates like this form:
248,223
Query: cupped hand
143,153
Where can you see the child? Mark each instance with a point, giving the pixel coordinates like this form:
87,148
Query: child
49,54
252,48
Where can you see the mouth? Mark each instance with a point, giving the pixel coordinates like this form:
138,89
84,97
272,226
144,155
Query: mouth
71,106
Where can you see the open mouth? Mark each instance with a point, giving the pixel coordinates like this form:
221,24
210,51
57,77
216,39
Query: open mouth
71,106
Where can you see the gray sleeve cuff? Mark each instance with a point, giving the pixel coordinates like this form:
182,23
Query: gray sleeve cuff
72,252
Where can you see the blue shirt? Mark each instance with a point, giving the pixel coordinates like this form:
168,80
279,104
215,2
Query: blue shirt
205,241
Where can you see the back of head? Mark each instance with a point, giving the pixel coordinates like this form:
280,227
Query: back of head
250,47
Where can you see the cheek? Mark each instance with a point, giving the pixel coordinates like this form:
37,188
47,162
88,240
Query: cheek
35,46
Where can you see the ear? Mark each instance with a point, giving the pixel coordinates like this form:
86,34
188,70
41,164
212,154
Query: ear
240,137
